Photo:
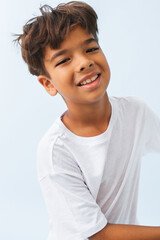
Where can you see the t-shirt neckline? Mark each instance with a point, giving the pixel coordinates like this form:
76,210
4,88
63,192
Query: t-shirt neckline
99,137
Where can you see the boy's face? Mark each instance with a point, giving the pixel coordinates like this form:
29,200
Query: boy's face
78,69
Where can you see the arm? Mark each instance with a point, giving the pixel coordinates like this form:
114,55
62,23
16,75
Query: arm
127,232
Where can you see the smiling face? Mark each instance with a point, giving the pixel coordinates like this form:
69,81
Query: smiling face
78,69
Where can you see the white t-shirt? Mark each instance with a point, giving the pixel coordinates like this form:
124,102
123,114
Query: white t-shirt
89,181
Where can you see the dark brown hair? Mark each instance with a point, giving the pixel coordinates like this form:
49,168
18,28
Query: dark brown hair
52,28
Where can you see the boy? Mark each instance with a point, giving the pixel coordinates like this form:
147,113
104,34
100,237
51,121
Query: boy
89,160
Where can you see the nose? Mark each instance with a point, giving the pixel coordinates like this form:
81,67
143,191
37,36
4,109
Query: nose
84,63
86,66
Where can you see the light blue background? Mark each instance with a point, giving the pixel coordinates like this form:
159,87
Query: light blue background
129,33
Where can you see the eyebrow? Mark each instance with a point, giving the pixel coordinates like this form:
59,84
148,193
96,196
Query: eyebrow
89,41
64,51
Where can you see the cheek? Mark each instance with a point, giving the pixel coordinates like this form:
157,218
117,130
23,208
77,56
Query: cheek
61,78
106,65
103,61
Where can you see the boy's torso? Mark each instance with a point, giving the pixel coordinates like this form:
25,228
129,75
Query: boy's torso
109,164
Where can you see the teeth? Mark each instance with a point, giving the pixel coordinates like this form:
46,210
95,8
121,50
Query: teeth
94,78
89,80
84,82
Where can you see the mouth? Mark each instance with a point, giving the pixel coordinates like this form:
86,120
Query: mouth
89,80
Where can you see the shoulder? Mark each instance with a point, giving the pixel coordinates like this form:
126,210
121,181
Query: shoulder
129,103
50,143
49,138
129,109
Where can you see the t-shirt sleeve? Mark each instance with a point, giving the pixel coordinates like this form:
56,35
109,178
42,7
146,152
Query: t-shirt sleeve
73,212
152,121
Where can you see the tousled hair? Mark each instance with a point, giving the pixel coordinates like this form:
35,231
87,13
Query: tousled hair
51,28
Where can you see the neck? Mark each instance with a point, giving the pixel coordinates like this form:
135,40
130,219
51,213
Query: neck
88,120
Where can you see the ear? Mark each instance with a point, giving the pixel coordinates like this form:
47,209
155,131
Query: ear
47,84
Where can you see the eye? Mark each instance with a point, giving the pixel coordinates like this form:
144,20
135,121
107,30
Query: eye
63,61
92,49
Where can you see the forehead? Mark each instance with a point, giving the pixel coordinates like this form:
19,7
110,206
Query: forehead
77,34
77,37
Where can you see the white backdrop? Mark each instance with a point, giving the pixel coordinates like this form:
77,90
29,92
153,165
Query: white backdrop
129,33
